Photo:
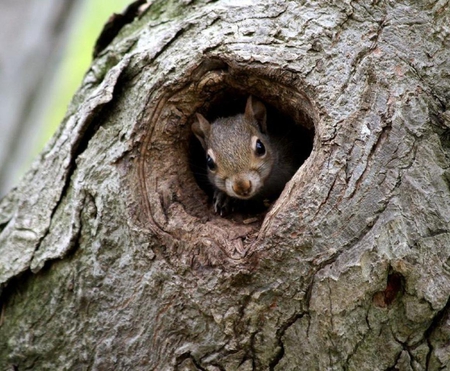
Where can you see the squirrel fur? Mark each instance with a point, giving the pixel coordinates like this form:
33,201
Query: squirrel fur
243,160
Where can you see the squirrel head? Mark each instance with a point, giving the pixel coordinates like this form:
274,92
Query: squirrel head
239,155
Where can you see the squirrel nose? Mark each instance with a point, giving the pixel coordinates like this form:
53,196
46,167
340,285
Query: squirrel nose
242,187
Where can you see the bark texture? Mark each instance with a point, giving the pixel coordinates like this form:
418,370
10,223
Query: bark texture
111,256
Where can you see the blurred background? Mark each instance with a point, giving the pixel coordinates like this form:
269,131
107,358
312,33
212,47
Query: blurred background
45,49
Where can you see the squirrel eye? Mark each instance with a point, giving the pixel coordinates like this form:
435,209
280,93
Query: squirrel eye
210,163
259,148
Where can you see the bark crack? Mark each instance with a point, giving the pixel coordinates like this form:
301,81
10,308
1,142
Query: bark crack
359,342
363,53
436,322
279,335
188,356
378,139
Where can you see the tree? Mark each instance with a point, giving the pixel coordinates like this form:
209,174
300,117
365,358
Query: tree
112,258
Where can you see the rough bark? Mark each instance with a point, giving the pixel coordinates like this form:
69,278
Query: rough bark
111,256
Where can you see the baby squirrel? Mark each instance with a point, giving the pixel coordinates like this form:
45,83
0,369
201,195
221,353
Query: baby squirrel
243,160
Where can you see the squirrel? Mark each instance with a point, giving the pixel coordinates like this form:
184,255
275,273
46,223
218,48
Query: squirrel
243,161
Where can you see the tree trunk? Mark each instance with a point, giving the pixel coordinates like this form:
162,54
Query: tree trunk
113,259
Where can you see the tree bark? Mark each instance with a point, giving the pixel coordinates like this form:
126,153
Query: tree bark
111,255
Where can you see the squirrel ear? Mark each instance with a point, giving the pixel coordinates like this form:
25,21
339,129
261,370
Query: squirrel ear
201,129
255,110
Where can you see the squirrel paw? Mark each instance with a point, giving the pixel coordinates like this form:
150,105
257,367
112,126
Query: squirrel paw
223,204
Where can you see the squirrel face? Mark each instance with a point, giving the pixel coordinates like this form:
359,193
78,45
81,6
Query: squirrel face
239,156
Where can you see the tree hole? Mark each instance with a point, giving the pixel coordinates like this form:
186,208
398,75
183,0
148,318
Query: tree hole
394,288
291,139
